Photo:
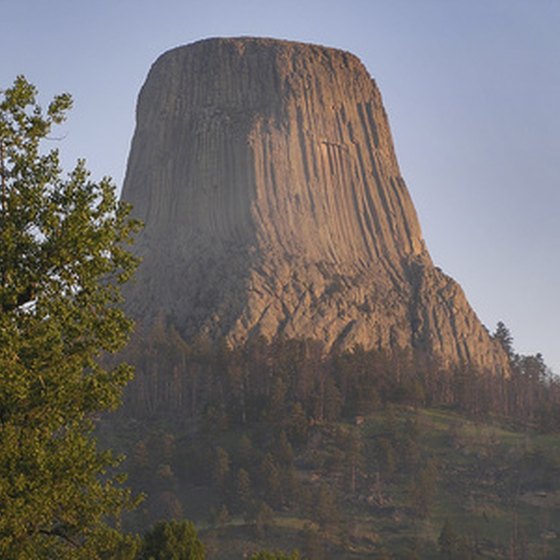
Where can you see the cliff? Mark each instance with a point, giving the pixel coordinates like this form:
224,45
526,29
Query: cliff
273,204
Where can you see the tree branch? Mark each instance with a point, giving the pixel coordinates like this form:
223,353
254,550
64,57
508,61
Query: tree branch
60,534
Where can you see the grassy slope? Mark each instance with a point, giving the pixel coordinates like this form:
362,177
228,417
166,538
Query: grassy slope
499,488
496,486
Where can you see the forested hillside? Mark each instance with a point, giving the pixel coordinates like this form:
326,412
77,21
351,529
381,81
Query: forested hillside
355,455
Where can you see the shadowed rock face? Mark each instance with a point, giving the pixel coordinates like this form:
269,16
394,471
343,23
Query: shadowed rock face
273,204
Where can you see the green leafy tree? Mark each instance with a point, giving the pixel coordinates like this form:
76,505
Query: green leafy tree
62,259
172,540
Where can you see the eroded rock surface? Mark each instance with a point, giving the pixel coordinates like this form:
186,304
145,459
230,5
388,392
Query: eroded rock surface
273,203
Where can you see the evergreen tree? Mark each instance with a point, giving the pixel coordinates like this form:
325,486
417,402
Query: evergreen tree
447,540
388,457
423,489
264,518
284,451
270,478
453,546
243,491
503,335
245,451
297,424
326,510
62,260
220,467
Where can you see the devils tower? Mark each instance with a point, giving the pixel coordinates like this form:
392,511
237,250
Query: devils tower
273,204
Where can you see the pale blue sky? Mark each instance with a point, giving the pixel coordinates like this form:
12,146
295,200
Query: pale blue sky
472,89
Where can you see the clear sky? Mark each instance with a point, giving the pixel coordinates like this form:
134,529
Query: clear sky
472,89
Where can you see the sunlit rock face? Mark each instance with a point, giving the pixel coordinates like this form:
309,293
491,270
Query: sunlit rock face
273,204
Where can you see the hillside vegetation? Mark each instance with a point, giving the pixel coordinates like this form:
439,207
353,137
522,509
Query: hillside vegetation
349,456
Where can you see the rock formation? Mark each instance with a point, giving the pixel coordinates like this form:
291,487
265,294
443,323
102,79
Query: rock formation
265,173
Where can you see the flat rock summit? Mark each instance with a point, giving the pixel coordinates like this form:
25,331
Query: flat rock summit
266,176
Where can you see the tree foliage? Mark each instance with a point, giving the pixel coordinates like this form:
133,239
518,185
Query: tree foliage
305,385
453,546
503,335
172,540
62,259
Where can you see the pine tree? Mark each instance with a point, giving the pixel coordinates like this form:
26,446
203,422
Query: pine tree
447,540
503,335
243,491
220,467
284,451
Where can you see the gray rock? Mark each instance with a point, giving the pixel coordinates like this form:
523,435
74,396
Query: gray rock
266,176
